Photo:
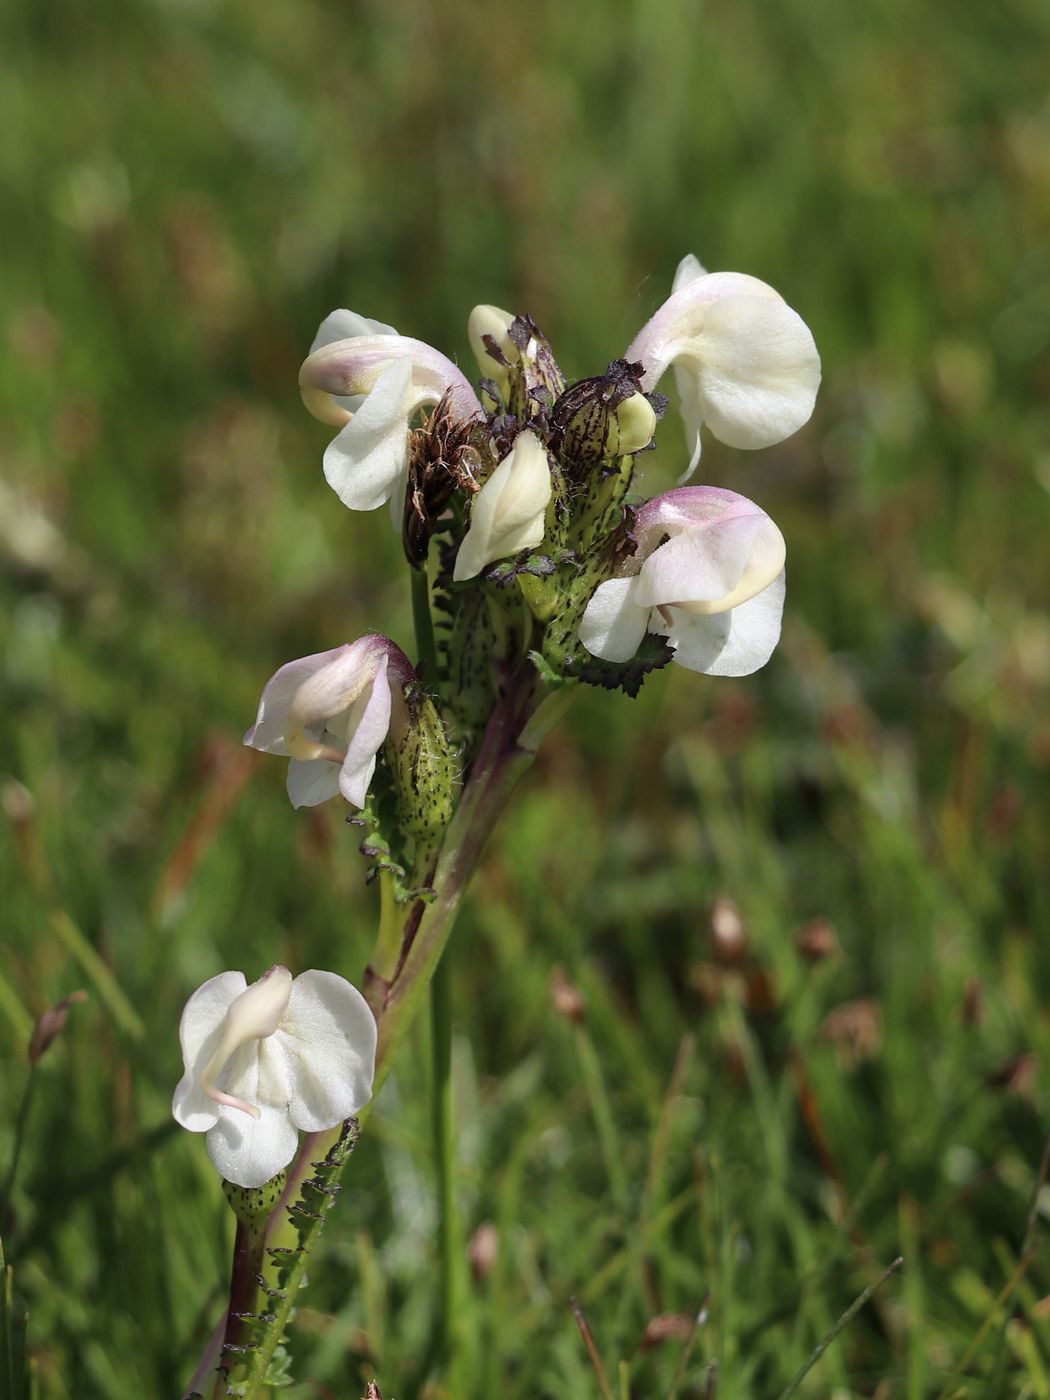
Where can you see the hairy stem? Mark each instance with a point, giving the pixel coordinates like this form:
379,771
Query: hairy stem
426,653
248,1246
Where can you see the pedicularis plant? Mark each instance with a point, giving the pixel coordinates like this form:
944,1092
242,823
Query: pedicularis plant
533,570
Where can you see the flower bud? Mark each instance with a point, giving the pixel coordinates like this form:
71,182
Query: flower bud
635,421
507,514
488,329
51,1025
599,419
535,380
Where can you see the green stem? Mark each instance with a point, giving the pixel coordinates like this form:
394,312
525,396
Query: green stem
426,652
6,1204
440,1042
248,1258
441,1125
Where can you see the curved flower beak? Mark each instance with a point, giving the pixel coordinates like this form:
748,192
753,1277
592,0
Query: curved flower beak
745,362
289,1054
507,514
392,377
709,577
253,1015
331,713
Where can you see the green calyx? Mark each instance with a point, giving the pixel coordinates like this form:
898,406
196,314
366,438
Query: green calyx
253,1206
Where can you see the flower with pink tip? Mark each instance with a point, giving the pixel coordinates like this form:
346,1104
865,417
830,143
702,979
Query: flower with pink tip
707,574
745,363
330,714
264,1062
370,382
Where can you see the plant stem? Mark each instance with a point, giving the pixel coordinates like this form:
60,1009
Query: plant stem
440,1043
6,1204
426,653
248,1246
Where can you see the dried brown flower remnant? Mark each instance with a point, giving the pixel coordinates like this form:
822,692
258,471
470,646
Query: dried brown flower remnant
566,997
50,1025
817,941
1017,1076
728,931
483,1250
446,453
667,1327
855,1029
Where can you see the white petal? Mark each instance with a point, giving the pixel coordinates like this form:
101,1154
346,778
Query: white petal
354,366
692,415
702,564
613,625
329,1036
507,514
367,728
733,643
200,1030
347,325
755,366
758,370
311,782
674,326
365,463
249,1151
688,270
267,733
332,688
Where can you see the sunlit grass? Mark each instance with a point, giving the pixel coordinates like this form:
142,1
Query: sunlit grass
741,1130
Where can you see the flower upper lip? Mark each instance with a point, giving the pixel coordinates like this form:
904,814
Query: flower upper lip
330,713
370,384
745,363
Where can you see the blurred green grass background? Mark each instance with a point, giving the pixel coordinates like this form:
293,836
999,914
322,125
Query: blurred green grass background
190,185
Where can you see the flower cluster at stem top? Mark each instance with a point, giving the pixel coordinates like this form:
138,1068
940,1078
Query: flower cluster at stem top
517,493
513,500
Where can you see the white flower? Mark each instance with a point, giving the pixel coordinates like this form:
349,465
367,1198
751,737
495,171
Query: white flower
745,363
708,574
507,514
263,1062
370,382
330,713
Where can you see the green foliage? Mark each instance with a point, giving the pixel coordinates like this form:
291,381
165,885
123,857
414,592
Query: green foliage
17,1377
191,188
